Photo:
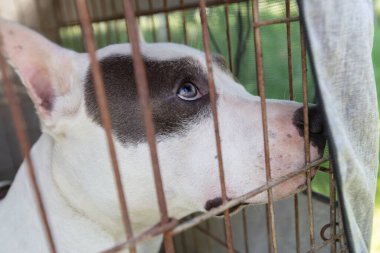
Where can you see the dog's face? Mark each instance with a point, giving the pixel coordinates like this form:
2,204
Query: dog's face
60,84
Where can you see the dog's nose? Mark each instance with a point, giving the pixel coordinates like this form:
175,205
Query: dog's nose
316,130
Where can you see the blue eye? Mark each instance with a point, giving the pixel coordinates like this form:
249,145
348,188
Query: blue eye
188,91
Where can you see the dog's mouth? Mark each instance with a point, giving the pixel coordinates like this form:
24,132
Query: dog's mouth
216,202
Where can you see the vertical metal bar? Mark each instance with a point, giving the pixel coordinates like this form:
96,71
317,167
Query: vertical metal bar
212,93
289,44
19,125
57,12
40,23
332,209
297,224
291,97
306,137
143,93
96,26
226,14
115,22
104,112
103,6
168,33
184,26
261,90
154,34
137,5
245,229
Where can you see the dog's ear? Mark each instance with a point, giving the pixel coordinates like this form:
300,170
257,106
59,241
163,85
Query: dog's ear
44,68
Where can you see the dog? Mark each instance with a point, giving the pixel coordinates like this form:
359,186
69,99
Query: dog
72,161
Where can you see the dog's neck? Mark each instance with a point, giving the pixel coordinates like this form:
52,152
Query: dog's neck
67,222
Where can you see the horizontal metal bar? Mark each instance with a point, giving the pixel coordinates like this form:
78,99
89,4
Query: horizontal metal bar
325,243
275,21
149,12
144,236
172,225
244,197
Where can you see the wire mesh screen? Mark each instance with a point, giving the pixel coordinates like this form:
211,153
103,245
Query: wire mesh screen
263,45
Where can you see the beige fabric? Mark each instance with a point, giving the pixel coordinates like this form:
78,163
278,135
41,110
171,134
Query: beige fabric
340,36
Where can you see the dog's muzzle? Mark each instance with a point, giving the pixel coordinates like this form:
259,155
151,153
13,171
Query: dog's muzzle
316,130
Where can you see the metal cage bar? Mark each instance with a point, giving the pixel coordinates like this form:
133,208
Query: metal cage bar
306,136
212,94
228,34
261,90
104,112
19,124
167,23
184,25
143,94
167,226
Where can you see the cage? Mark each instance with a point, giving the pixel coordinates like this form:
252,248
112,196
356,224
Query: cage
265,47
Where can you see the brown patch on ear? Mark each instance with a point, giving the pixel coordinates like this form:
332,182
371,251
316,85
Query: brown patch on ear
42,88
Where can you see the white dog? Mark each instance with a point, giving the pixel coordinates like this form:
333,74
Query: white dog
71,157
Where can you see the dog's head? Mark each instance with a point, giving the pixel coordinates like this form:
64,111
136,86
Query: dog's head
61,86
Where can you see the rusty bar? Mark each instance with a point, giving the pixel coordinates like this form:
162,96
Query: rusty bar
137,5
39,10
176,229
291,97
143,94
289,45
103,6
167,23
306,136
214,237
154,35
269,231
117,31
245,230
325,243
184,26
19,125
332,208
226,14
276,21
57,12
297,224
261,90
144,236
104,112
156,11
239,200
96,26
65,11
212,93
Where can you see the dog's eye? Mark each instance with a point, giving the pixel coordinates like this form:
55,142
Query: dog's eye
188,91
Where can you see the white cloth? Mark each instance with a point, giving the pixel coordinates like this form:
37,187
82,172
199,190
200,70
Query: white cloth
340,35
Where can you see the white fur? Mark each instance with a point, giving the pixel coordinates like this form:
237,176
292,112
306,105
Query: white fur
75,173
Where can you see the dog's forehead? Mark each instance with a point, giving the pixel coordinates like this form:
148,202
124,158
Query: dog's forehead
156,51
